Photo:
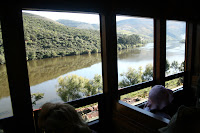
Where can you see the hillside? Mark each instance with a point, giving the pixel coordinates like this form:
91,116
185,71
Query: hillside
141,27
175,30
77,24
45,38
128,27
144,28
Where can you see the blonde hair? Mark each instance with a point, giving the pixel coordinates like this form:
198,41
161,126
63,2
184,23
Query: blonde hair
61,118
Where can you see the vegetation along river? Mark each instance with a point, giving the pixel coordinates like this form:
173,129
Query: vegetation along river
44,73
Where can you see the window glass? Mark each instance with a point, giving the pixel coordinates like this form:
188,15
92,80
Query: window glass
175,47
89,113
5,101
135,50
175,52
136,97
63,53
174,84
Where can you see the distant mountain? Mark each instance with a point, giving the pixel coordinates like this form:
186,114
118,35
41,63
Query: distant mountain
141,27
144,28
45,38
175,30
78,24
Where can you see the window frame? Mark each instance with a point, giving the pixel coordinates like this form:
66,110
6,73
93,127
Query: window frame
158,60
109,67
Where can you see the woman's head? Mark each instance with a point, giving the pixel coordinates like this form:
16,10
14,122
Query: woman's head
159,97
61,118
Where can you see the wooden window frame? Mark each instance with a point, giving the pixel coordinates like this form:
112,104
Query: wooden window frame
109,100
13,42
20,87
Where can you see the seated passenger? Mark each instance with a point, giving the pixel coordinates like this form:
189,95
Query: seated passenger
61,118
159,100
186,120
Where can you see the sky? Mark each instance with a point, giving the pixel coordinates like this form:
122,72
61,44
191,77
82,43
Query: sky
83,17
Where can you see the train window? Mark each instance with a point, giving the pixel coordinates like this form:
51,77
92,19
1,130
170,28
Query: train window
63,53
135,50
175,52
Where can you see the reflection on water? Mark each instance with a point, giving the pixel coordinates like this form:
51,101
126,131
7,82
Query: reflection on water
5,101
175,51
137,54
47,69
4,89
44,74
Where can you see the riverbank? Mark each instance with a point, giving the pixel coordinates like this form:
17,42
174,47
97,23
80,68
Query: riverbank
30,56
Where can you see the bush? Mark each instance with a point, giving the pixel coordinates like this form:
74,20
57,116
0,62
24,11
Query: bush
131,77
95,50
86,52
31,55
2,59
72,87
36,97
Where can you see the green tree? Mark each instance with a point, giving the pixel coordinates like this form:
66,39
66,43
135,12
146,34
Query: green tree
53,54
2,59
36,97
148,73
175,66
31,55
70,87
95,50
1,49
94,86
73,86
131,77
167,67
181,67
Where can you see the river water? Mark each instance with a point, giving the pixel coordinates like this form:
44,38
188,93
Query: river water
44,74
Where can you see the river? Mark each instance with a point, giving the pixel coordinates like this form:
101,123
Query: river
44,74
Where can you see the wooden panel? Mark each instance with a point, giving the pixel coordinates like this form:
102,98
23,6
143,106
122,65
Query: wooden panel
141,120
124,124
197,51
170,9
194,81
189,55
109,66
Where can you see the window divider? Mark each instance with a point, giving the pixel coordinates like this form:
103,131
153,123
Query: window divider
134,88
191,31
85,101
174,76
109,69
15,55
159,51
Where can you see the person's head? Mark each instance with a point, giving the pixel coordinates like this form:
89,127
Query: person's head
159,97
61,118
